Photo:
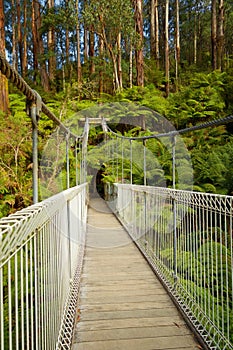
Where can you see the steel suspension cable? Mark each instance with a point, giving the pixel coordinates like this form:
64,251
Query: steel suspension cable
217,122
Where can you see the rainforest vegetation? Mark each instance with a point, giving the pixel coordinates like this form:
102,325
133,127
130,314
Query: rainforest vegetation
173,57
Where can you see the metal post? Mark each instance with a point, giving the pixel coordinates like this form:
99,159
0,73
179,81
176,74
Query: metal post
34,153
122,161
174,162
117,170
69,238
76,161
34,110
145,221
144,161
84,149
80,160
131,163
67,162
113,160
174,210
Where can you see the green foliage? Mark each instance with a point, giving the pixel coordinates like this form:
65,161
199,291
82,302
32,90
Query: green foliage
213,169
204,97
228,88
153,75
15,160
114,16
201,100
149,97
204,269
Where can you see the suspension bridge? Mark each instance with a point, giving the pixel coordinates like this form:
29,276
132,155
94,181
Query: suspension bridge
119,265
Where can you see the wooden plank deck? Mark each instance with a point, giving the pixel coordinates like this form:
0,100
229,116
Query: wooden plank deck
122,304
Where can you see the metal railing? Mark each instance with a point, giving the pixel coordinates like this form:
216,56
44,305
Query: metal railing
188,239
41,251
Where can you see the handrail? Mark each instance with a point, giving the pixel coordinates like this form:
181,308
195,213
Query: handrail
41,254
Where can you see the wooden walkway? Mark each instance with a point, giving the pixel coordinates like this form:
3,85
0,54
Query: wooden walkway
122,305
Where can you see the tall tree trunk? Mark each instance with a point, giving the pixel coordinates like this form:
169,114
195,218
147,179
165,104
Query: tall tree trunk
220,35
67,47
116,83
42,67
14,51
138,4
157,33
67,39
167,65
25,61
79,68
101,52
34,40
86,36
4,99
195,41
131,65
119,67
92,50
51,47
214,34
113,55
86,51
38,48
19,35
154,31
177,38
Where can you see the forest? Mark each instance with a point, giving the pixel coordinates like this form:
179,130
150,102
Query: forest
174,57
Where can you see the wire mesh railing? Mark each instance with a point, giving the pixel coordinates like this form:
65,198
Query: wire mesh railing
41,251
188,239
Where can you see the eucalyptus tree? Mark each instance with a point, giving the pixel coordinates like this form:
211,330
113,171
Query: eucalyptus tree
214,33
138,14
217,33
112,22
51,44
39,62
16,30
4,100
61,39
220,36
195,32
228,30
19,34
166,31
154,30
79,68
177,33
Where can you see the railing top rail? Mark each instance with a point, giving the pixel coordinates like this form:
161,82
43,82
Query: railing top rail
213,201
31,94
143,188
